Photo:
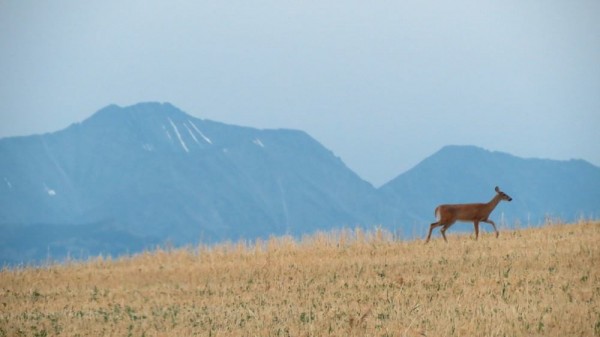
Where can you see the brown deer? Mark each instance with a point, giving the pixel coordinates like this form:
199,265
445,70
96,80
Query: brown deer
449,214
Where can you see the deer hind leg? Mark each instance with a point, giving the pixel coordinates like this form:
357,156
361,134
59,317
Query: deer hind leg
445,227
431,227
476,224
443,231
493,225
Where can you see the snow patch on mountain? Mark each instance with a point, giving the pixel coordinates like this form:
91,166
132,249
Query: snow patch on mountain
179,136
206,139
191,134
258,142
167,132
50,191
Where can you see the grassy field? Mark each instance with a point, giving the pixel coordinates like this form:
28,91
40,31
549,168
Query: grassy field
530,282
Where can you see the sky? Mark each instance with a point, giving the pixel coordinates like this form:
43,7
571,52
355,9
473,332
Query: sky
382,84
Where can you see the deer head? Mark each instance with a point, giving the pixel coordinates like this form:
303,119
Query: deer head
503,196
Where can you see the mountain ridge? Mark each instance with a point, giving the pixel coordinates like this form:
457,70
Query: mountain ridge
152,173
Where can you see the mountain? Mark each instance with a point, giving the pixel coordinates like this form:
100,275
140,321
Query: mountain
541,189
130,178
151,173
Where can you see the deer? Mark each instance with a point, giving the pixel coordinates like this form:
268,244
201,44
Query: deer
447,215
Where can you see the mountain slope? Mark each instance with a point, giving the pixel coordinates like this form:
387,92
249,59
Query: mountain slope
540,188
158,174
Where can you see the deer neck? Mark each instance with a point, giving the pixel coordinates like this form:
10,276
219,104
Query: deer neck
493,203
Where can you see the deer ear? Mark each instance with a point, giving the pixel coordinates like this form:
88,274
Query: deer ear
497,189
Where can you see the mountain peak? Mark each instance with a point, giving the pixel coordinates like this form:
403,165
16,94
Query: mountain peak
464,150
149,126
453,147
462,155
116,113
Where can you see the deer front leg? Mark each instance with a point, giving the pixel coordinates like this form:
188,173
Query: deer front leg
493,225
476,224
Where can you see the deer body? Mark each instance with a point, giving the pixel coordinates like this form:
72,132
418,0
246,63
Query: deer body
448,214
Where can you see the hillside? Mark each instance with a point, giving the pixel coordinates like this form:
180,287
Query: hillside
530,282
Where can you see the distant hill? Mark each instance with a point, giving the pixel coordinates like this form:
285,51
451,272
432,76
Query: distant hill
541,189
129,178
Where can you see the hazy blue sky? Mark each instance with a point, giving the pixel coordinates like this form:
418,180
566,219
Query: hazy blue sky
383,84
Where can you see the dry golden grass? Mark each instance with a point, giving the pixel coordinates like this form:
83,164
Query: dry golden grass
526,283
